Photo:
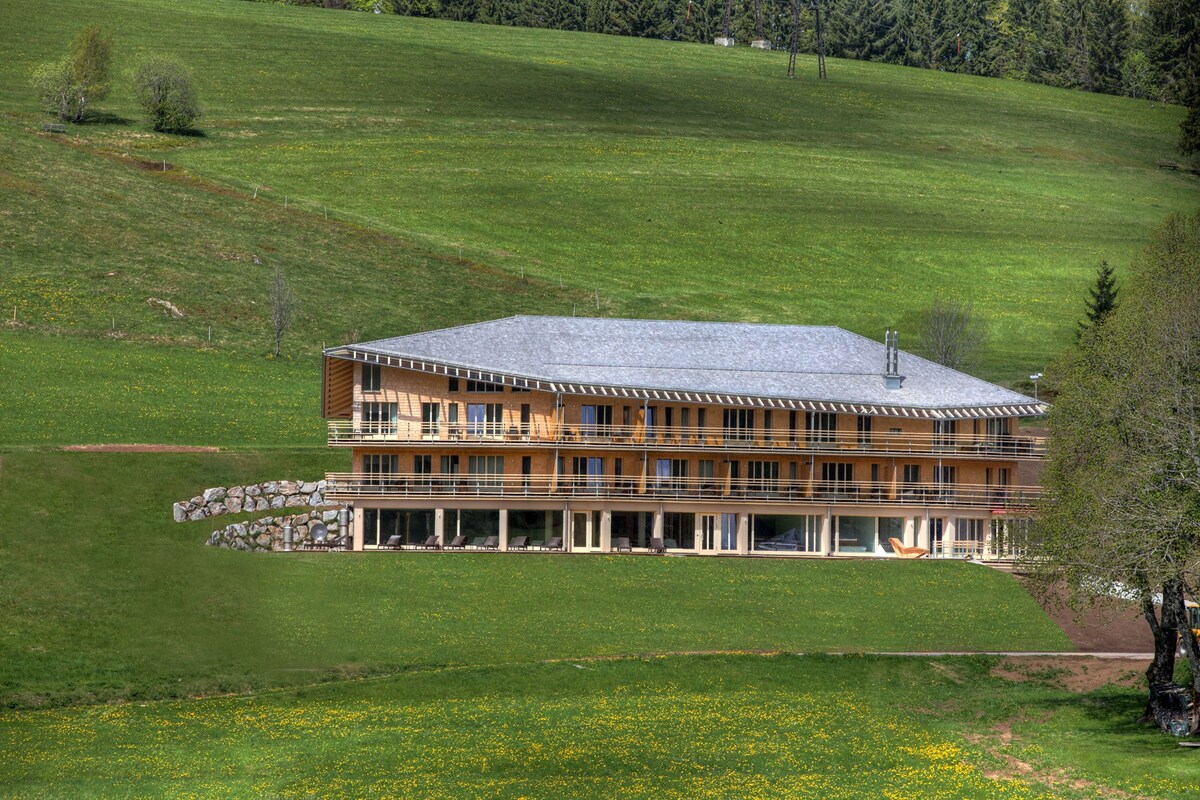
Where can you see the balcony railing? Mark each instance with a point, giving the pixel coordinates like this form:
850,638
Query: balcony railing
349,486
343,432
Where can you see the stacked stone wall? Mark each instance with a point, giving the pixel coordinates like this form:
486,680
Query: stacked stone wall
269,496
266,534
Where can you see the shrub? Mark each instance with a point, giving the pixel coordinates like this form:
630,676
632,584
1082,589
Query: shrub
163,88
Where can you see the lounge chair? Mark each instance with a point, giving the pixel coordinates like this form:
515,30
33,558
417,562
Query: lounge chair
459,543
432,543
395,542
518,543
491,543
906,552
555,543
623,545
656,545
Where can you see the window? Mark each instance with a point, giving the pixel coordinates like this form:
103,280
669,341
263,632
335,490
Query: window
380,419
822,427
997,428
626,419
370,378
855,534
486,470
670,473
596,420
785,533
701,419
423,469
588,471
705,470
485,419
912,474
520,385
526,470
864,430
376,466
729,526
484,386
762,476
968,538
945,478
997,480
679,531
430,417
685,421
453,385
526,418
838,478
944,431
739,424
449,466
767,426
792,421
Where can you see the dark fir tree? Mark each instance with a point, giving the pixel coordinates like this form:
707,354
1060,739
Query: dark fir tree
1103,298
1108,38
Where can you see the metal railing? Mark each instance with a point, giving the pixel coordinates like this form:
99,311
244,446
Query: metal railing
345,432
349,486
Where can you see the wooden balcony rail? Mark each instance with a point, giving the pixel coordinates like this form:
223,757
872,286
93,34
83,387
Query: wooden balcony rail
349,486
344,432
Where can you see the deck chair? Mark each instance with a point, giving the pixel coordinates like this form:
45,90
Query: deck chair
458,543
432,543
395,542
623,545
906,552
555,543
519,543
491,543
656,545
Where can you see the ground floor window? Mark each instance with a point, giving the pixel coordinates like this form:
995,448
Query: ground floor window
679,531
968,538
475,524
637,526
412,525
785,533
855,534
890,528
539,526
729,532
1010,537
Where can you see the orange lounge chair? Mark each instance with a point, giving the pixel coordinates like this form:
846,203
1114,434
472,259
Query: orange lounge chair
906,552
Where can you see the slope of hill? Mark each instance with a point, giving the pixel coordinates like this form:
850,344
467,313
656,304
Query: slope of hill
672,180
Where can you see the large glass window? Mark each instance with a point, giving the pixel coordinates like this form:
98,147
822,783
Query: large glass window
431,414
485,419
729,526
944,433
637,526
486,470
890,528
380,419
475,524
822,427
739,424
679,531
864,431
762,477
595,420
785,533
376,466
413,526
855,534
540,526
837,479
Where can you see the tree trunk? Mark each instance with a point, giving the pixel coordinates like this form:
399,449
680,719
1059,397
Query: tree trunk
1187,640
1160,675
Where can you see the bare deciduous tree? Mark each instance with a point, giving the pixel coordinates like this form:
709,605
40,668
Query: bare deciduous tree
283,307
950,332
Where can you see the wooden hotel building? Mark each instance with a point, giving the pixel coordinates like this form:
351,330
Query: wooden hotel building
711,438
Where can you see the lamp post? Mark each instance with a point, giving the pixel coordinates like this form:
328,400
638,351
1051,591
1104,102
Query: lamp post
1035,377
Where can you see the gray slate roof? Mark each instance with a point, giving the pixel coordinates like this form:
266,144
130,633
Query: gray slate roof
785,362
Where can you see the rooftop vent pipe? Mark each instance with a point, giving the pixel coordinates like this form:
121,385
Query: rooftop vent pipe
892,379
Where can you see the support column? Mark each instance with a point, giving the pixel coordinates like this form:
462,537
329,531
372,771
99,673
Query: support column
356,527
827,533
698,533
743,533
949,531
439,525
568,534
606,531
657,530
503,529
909,539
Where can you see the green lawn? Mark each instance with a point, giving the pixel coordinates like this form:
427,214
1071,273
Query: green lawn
731,727
106,597
677,180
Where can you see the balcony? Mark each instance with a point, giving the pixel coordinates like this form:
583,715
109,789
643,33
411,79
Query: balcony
345,487
608,437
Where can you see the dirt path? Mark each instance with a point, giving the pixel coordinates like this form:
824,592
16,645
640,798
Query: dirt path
138,448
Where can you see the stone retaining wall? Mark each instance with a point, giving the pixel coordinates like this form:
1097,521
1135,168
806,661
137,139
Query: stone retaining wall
266,534
272,495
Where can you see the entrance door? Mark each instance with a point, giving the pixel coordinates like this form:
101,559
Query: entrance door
936,540
708,532
585,531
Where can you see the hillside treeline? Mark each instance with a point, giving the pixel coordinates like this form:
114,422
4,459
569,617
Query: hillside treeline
1140,48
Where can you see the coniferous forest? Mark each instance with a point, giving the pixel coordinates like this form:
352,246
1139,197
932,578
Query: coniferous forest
1139,48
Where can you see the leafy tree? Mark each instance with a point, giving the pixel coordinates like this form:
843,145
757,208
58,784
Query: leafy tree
283,308
1103,298
1138,78
163,88
1123,474
67,88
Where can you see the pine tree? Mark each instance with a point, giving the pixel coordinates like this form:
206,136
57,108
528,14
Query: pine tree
1103,298
1108,37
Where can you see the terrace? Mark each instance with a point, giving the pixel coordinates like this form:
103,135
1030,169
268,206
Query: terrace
346,487
347,433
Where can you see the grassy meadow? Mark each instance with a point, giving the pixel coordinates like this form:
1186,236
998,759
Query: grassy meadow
816,727
674,180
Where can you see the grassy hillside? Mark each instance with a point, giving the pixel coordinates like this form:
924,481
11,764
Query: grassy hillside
676,180
696,727
104,596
